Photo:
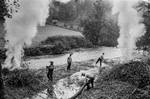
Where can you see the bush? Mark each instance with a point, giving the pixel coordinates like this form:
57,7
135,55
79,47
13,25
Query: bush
60,44
23,83
63,43
58,48
20,78
136,73
32,51
2,54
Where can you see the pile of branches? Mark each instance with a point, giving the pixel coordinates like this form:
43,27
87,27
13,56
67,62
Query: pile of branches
22,83
135,73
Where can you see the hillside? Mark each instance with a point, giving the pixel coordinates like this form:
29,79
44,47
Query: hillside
48,30
43,33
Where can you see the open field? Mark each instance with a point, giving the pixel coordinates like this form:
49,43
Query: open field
43,33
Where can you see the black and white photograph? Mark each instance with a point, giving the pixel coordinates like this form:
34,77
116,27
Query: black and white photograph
74,49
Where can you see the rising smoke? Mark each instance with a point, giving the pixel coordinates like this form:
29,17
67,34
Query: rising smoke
131,28
66,1
21,27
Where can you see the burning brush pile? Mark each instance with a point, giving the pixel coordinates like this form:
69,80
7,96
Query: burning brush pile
135,73
123,81
22,83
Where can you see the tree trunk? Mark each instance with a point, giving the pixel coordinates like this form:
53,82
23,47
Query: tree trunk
80,90
1,83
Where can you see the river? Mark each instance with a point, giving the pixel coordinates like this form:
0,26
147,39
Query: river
87,54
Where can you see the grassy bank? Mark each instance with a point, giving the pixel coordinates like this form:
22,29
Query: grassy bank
54,45
26,83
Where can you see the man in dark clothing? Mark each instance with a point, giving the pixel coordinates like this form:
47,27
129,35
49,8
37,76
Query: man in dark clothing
69,61
90,79
50,71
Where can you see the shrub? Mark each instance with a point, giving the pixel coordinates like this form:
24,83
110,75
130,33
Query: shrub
59,45
32,51
2,54
58,48
20,78
136,73
62,43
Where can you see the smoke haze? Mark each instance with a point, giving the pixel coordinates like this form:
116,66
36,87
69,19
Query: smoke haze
131,28
22,27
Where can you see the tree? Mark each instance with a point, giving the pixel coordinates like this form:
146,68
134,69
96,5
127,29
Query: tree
3,9
145,7
99,29
66,12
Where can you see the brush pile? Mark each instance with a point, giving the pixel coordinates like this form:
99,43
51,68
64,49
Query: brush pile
122,81
135,73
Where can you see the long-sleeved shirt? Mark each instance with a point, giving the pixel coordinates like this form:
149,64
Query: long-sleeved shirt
101,58
69,59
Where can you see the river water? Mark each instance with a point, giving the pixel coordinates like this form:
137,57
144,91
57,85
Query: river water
84,55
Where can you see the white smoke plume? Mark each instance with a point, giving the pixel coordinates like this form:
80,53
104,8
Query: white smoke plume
21,28
131,28
66,1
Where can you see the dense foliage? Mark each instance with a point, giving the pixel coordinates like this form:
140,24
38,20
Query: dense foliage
99,29
145,39
57,45
22,83
136,73
3,9
72,11
62,43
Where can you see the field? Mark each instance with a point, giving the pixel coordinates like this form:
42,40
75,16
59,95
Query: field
43,33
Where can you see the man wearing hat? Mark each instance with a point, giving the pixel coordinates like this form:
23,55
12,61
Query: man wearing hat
50,69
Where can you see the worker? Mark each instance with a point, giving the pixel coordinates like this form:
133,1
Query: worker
50,69
90,79
69,61
100,59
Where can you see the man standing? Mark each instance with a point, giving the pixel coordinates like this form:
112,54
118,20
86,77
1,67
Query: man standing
90,79
69,61
50,71
100,59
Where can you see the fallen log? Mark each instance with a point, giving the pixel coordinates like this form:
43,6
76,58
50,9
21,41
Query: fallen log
80,91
